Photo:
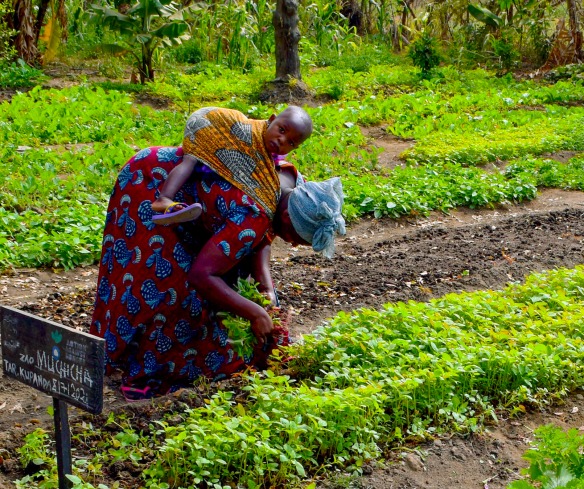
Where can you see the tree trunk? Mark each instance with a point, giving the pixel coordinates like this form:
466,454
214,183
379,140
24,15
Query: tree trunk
23,23
62,16
288,85
146,70
367,16
40,18
287,36
575,32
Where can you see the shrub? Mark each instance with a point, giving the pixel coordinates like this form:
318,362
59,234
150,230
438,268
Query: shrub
505,52
189,52
7,51
18,74
425,54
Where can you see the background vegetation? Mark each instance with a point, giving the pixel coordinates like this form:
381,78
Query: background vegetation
482,128
502,34
62,147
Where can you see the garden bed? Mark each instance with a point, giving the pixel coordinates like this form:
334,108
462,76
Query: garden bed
378,261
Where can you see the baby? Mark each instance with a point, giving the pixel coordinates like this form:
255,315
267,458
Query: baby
238,149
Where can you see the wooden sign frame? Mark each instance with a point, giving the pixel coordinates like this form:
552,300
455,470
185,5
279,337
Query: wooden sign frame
62,362
57,360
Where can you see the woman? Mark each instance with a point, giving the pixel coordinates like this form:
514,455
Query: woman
160,287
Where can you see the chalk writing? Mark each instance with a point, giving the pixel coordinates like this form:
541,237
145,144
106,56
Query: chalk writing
50,357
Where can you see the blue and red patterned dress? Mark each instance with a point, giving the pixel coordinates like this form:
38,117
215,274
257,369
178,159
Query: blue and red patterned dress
159,331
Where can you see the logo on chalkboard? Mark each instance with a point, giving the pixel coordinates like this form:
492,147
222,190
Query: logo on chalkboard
57,336
56,351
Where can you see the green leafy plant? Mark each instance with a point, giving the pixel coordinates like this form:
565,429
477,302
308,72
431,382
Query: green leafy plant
555,460
367,379
62,148
504,51
147,26
52,207
240,333
425,53
575,71
122,87
19,75
188,52
485,15
36,449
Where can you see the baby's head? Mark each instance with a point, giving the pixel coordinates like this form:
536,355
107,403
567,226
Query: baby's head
287,130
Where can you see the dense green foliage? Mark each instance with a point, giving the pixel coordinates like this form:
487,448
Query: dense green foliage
146,27
6,49
17,74
555,460
62,148
360,382
425,54
239,34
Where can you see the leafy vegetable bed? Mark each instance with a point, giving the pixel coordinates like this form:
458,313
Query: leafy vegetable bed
62,150
366,380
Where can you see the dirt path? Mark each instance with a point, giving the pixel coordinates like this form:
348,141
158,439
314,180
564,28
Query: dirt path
389,261
377,262
490,460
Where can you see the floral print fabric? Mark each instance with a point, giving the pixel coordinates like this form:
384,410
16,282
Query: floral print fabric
159,331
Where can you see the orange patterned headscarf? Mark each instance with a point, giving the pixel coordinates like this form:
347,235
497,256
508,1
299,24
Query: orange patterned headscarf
233,146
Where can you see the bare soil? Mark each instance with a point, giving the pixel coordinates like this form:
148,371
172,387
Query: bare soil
379,261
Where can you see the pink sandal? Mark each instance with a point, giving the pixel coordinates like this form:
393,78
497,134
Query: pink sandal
134,394
187,213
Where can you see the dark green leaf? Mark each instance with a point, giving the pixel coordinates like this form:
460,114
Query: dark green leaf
484,15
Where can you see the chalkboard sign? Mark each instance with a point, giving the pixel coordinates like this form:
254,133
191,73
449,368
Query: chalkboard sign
60,361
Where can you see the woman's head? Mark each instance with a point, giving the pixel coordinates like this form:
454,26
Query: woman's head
288,130
282,224
311,214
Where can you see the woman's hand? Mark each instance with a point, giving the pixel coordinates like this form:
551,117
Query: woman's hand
206,273
262,327
271,296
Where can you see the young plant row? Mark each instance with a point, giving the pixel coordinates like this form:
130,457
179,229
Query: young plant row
419,189
363,382
62,150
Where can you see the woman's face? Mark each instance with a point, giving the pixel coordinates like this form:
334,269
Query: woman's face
283,225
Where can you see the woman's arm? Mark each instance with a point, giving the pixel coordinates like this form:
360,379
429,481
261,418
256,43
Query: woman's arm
177,177
261,270
205,276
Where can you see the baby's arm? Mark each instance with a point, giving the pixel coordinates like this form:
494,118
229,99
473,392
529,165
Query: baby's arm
175,180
